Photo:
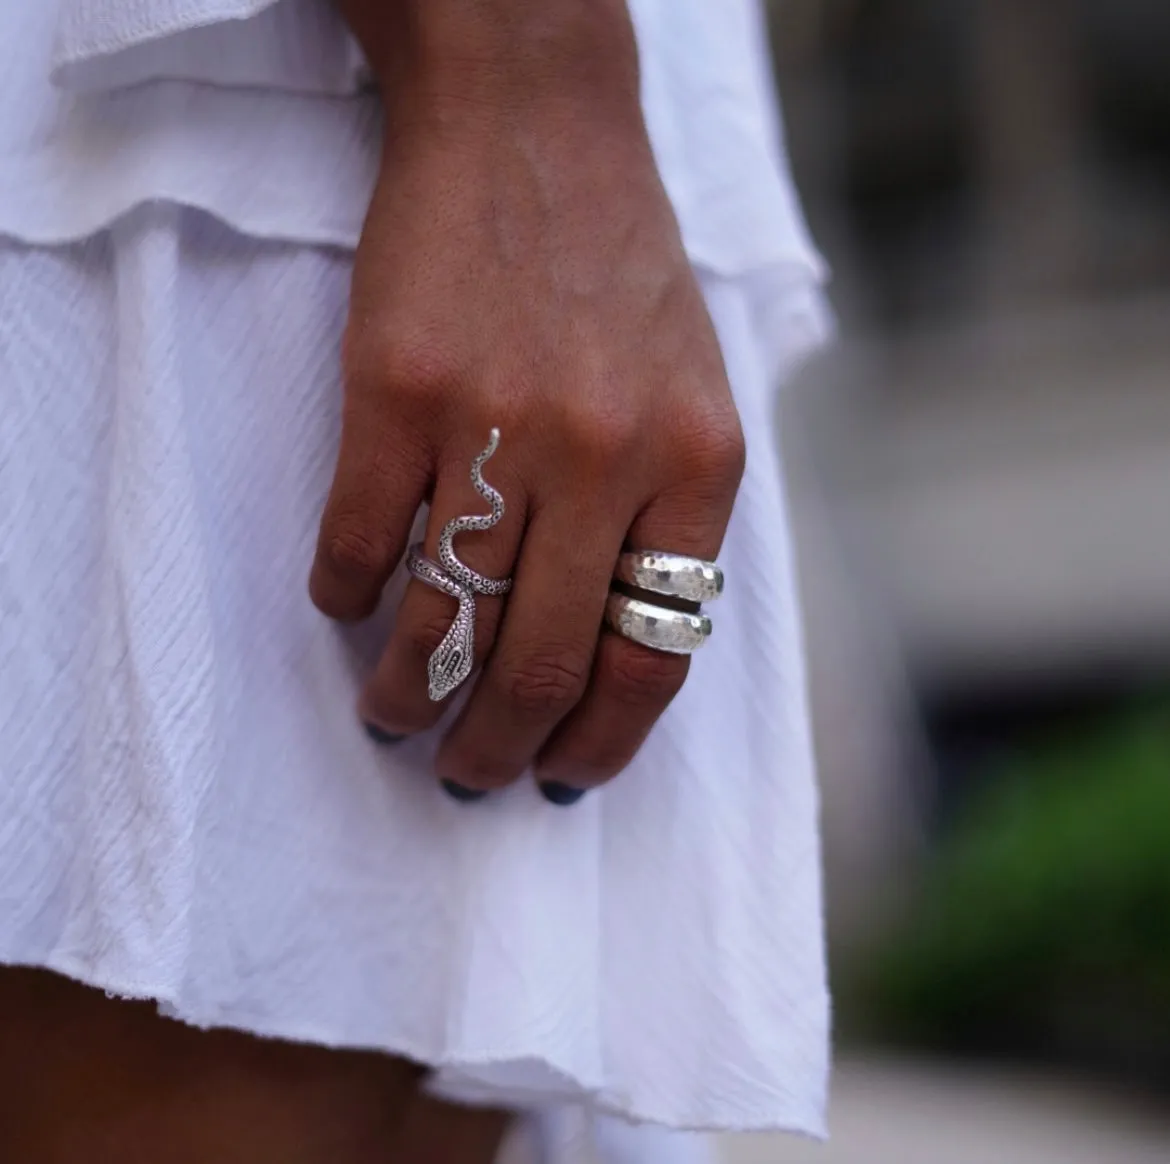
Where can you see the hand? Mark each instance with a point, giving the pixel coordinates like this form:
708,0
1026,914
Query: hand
521,268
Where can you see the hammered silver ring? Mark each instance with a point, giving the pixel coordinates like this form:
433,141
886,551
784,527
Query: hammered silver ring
677,632
674,575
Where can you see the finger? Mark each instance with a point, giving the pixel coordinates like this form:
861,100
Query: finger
541,662
631,685
382,476
434,1131
396,698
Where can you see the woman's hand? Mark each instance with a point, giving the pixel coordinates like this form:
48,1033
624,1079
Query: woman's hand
521,268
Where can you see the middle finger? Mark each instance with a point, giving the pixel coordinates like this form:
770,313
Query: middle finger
543,655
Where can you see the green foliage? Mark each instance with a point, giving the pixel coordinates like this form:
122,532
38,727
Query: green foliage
1044,923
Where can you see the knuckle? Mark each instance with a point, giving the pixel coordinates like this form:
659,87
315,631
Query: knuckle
426,631
486,624
350,550
642,678
717,452
423,371
406,368
601,433
724,457
424,635
546,683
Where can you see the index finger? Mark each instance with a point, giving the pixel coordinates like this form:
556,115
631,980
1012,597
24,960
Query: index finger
382,477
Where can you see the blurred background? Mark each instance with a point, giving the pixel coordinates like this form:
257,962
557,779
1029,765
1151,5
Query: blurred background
980,480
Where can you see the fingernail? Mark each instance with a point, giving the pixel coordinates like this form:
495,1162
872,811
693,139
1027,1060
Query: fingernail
379,736
561,794
464,795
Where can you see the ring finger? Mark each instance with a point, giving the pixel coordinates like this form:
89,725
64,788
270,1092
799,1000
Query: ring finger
631,685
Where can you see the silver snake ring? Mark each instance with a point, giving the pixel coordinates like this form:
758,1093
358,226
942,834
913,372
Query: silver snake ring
454,657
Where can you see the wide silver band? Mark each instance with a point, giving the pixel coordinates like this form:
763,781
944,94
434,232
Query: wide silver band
677,632
675,575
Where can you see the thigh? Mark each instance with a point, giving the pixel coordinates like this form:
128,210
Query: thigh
85,1078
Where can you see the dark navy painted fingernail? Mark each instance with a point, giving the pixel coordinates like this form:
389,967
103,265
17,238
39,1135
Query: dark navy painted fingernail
561,794
382,737
458,792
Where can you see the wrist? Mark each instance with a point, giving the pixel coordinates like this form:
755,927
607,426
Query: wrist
499,52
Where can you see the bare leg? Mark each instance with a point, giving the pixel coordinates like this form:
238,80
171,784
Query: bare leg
89,1080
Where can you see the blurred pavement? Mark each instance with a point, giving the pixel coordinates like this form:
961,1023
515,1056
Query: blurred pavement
893,1112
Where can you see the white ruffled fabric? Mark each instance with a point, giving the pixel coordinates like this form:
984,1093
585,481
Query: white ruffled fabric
189,810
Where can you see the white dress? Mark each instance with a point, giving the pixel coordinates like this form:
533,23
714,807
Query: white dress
189,808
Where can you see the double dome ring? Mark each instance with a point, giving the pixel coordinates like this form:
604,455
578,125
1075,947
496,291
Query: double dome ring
685,579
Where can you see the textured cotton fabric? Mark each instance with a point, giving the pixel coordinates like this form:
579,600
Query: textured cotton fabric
189,808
